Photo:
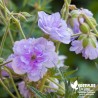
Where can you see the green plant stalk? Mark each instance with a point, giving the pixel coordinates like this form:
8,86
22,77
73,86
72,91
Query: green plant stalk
3,18
90,23
18,95
63,10
19,26
57,46
5,63
7,89
5,21
17,21
42,83
11,37
4,8
67,3
3,40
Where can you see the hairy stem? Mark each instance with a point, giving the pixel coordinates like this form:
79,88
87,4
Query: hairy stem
57,46
18,95
42,83
3,39
5,63
15,20
2,83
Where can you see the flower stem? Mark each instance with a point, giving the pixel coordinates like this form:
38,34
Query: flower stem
19,26
3,39
5,63
12,82
67,3
16,20
42,84
57,46
11,37
7,89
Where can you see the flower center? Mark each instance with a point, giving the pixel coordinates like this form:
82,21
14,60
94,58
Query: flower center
33,57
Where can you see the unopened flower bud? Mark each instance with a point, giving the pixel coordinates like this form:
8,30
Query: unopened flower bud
85,42
93,21
90,40
74,13
93,40
84,28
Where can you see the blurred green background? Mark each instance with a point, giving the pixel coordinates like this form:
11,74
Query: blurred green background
87,70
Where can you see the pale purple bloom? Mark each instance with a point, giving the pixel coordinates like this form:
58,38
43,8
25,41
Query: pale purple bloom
90,52
87,12
9,65
24,91
73,22
54,26
33,57
76,46
53,86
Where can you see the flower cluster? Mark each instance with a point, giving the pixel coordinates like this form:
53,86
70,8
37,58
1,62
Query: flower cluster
80,21
89,52
75,19
57,29
33,57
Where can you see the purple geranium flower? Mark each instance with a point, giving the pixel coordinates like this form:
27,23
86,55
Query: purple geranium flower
73,22
89,52
53,86
9,65
54,26
33,57
24,91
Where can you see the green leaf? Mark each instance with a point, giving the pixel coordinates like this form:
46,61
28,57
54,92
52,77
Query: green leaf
69,73
93,21
38,93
